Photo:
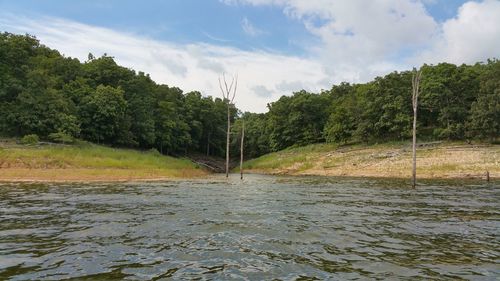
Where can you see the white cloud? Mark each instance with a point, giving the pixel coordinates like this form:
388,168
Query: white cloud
261,91
472,35
214,38
250,29
357,40
190,67
361,39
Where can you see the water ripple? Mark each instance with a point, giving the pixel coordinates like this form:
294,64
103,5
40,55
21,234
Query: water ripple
264,227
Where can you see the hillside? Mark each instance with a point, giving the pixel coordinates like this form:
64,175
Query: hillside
434,160
88,162
43,93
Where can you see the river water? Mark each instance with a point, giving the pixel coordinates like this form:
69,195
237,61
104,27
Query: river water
261,228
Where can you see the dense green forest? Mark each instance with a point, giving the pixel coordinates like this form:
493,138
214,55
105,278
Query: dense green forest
44,93
456,103
54,97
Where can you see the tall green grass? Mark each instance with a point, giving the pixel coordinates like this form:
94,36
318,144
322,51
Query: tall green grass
303,155
88,156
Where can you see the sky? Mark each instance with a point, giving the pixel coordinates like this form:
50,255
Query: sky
276,47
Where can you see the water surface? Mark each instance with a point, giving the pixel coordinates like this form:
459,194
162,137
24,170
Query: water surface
261,228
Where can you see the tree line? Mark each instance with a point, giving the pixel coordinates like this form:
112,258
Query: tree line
456,103
43,92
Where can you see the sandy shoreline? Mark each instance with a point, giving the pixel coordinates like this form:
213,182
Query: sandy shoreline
447,161
480,176
47,176
82,175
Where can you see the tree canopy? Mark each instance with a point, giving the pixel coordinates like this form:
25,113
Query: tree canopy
47,94
43,92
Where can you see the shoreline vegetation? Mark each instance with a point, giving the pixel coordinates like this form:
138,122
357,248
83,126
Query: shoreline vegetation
435,160
47,96
86,162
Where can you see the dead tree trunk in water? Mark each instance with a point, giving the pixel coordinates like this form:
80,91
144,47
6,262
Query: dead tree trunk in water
228,93
415,83
241,149
228,139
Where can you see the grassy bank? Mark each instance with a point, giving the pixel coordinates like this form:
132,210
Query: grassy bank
438,160
88,162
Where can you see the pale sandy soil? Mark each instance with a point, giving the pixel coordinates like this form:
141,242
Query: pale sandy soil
94,175
443,161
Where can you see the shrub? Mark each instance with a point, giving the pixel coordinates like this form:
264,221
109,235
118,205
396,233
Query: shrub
154,151
61,137
30,139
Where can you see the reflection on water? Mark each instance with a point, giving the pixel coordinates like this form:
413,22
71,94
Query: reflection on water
262,228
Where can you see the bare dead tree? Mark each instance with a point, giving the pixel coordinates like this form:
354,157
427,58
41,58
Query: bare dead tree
228,93
241,149
415,83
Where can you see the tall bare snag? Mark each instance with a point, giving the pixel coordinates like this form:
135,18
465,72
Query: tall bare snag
241,149
415,83
228,94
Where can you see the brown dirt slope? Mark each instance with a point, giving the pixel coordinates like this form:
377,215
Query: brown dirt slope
434,160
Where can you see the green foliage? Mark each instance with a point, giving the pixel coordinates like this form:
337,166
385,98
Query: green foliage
30,139
103,116
256,141
297,120
456,102
69,125
484,115
448,92
340,126
171,126
93,157
42,92
154,151
61,137
137,92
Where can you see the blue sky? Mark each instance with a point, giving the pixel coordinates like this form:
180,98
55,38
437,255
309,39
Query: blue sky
185,21
276,46
180,21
